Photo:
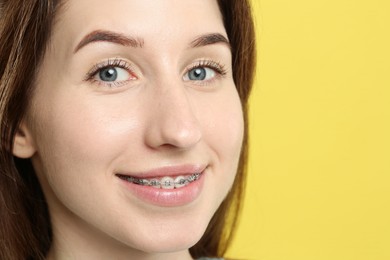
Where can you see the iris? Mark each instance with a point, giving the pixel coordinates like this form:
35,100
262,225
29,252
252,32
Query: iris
197,74
108,74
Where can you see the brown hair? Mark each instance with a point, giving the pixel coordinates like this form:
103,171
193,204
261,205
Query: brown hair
25,29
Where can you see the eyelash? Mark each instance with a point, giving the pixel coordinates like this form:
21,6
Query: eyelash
219,68
109,63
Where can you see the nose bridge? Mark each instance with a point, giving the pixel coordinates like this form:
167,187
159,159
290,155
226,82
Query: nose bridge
174,121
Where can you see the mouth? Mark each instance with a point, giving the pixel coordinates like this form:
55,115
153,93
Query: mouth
170,186
166,182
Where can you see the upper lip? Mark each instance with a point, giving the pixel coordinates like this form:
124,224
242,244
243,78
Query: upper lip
174,170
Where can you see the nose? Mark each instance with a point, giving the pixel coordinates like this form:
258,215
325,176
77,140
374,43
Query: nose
172,121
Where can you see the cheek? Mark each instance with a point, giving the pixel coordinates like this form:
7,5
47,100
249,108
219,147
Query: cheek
78,141
78,135
223,134
225,127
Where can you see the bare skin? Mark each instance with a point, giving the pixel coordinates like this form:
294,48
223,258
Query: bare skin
153,90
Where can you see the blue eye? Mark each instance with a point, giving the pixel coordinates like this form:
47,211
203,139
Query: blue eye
112,74
108,74
200,74
204,71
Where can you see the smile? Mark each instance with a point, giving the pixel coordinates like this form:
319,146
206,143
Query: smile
170,186
164,182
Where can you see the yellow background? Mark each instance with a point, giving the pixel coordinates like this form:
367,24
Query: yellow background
319,180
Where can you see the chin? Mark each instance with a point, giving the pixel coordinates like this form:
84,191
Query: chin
174,241
170,238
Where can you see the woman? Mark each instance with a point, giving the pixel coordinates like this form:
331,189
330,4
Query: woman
123,127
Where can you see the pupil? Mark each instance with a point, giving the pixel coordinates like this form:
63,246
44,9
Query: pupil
108,74
198,74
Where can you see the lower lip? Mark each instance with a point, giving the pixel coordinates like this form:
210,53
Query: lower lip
167,197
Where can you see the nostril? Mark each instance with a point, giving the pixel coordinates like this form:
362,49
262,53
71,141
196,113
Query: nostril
182,134
174,132
174,121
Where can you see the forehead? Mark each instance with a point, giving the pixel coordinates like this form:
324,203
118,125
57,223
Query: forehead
162,21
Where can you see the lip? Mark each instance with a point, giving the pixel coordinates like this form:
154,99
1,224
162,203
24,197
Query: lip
171,171
167,197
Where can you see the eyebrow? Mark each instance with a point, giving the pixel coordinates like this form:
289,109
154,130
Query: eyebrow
208,39
117,38
109,36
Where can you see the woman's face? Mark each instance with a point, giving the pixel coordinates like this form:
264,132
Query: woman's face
131,94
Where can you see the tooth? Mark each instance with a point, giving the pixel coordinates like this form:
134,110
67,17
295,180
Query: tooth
155,183
144,182
130,179
167,183
192,178
180,181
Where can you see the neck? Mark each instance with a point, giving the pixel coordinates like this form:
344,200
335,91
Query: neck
57,253
65,249
72,242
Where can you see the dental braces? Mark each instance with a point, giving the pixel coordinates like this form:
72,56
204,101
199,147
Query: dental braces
165,183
